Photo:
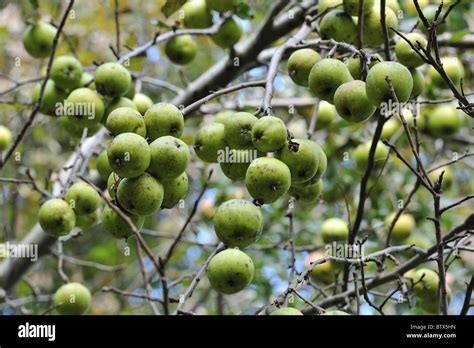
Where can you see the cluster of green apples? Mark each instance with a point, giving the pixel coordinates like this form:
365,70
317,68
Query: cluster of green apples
197,14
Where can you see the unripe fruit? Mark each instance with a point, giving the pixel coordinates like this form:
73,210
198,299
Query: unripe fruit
112,80
230,271
181,49
286,311
142,102
86,221
323,273
112,184
403,227
444,120
453,68
238,130
326,76
352,7
448,177
238,223
430,12
85,107
169,158
140,196
83,198
418,82
361,154
377,87
196,14
235,166
352,103
102,165
334,230
372,27
56,217
5,138
300,63
38,39
228,34
303,163
391,4
324,4
390,128
269,134
407,55
129,155
131,90
267,179
210,139
222,5
115,225
126,120
223,115
338,25
51,96
426,283
411,8
164,119
115,104
322,163
87,81
66,72
307,193
355,66
174,190
75,130
72,299
326,114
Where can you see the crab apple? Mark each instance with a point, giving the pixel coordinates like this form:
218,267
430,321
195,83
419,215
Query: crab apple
174,190
181,49
164,119
72,299
300,63
372,27
222,5
102,165
51,97
426,283
448,177
323,273
301,159
131,90
126,120
223,115
196,14
453,68
355,67
210,139
5,138
235,166
116,103
351,7
411,8
85,107
340,26
402,228
361,154
326,76
238,130
324,4
228,34
87,80
378,89
269,134
308,193
112,80
142,102
326,114
75,130
444,120
82,198
230,271
238,223
267,179
352,103
112,184
38,39
117,226
391,4
286,311
430,12
418,82
334,230
406,55
129,155
66,72
322,163
169,158
56,217
142,195
87,221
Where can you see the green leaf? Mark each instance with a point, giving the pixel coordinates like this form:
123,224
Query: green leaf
171,6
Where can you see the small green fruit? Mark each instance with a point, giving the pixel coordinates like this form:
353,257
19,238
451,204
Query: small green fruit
115,104
322,163
222,5
51,97
326,114
56,217
66,72
230,271
361,154
228,34
444,120
142,195
196,14
181,49
87,80
324,4
76,131
126,120
308,193
112,184
164,119
286,311
392,4
210,140
235,165
352,103
5,138
223,115
407,55
102,165
418,82
131,90
300,63
334,230
301,159
87,221
372,27
85,107
267,179
269,134
38,39
238,130
72,299
115,225
448,177
169,158
83,198
174,190
430,12
238,223
351,7
340,26
142,102
453,68
403,227
326,76
355,67
112,80
129,155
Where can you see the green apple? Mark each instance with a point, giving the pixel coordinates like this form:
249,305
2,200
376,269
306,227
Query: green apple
323,273
444,120
391,4
326,76
112,80
210,140
181,49
300,63
334,230
38,39
322,163
235,164
102,165
222,5
326,114
126,120
87,80
351,7
115,104
448,177
174,190
228,34
418,82
269,134
112,184
117,226
372,27
352,103
324,4
453,68
51,97
338,25
430,12
5,138
403,227
406,55
87,221
169,158
82,198
196,14
308,193
85,107
142,102
355,67
222,116
410,7
286,311
230,271
142,195
71,126
390,128
164,119
66,72
361,154
129,155
301,159
56,217
72,299
238,130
